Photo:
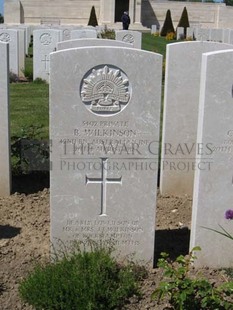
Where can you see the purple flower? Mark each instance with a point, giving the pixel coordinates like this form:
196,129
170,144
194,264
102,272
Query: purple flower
229,214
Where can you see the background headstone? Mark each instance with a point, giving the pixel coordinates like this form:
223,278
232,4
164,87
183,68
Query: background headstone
5,171
132,37
181,99
44,43
12,37
226,36
213,189
154,29
104,124
216,35
180,33
83,33
90,42
203,34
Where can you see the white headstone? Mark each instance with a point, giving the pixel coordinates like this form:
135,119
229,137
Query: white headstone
12,37
203,34
181,98
27,29
104,121
44,43
154,29
5,172
133,37
22,52
226,36
191,33
180,33
90,42
83,33
213,189
231,36
216,35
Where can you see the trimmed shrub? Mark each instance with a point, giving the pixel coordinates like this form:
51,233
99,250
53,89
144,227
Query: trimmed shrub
184,21
84,280
168,25
1,19
93,19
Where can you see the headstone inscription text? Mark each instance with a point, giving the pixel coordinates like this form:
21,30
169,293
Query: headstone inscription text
104,154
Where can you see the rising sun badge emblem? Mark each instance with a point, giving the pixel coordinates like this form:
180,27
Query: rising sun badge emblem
105,90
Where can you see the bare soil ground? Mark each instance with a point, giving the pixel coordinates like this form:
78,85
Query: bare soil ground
24,239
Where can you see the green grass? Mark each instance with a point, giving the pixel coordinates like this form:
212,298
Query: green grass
154,43
29,106
29,102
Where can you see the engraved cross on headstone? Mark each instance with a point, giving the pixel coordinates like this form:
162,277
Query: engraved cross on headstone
46,62
104,180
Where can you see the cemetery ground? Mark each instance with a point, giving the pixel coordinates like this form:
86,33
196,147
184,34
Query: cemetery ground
25,219
24,241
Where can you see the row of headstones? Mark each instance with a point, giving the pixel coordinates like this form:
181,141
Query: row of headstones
45,42
105,148
108,151
202,34
207,34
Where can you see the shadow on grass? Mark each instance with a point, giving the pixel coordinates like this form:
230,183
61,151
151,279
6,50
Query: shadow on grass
175,242
30,183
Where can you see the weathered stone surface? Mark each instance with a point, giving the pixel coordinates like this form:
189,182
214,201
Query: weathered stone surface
104,125
133,37
213,192
45,41
5,171
12,37
181,99
83,33
90,42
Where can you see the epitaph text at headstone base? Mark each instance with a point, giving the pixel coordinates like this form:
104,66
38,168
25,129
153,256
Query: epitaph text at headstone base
104,125
5,171
213,191
44,43
90,42
181,99
132,37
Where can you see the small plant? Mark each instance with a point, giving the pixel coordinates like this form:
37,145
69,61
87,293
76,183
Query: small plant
28,74
189,39
29,152
170,36
85,280
187,293
39,81
13,78
228,216
108,33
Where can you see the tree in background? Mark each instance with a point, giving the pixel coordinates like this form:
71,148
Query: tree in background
168,25
1,19
229,2
93,19
184,21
